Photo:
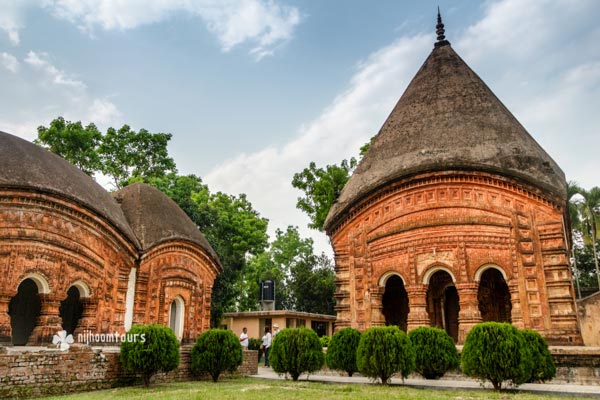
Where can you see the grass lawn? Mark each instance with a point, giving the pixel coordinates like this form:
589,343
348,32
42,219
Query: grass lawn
258,389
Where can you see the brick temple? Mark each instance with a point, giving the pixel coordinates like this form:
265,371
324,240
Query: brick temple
454,216
74,257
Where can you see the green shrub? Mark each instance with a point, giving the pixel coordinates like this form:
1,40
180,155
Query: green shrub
341,353
435,351
216,351
154,349
295,351
325,340
544,368
383,351
496,352
254,344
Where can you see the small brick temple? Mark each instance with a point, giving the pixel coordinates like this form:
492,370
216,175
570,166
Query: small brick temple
454,216
74,257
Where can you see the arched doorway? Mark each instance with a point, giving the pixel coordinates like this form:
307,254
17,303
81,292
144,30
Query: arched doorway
395,302
176,317
71,310
24,310
442,303
493,297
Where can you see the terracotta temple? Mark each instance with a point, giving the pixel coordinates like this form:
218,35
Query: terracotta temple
454,216
74,257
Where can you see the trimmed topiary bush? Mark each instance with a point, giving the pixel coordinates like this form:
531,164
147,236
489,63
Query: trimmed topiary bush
154,349
435,352
384,351
544,368
496,352
325,340
341,353
295,351
216,351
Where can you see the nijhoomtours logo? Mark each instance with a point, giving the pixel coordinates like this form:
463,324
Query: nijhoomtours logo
89,337
62,340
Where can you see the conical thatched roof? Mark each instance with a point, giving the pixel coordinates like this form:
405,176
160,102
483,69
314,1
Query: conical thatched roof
448,119
24,165
155,218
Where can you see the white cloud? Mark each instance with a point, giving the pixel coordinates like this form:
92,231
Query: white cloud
349,122
9,62
55,75
262,23
11,18
103,112
554,97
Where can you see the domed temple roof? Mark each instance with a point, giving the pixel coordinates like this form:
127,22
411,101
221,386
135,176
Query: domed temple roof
448,119
156,218
23,165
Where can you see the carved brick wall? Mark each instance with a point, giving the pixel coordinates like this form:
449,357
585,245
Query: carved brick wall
461,223
58,244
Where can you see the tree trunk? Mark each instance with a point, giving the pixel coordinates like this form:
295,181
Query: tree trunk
595,252
147,377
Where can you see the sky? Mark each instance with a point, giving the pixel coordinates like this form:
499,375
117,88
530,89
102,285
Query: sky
254,90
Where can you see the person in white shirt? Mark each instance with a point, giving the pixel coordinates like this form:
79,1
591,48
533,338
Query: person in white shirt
266,342
244,338
275,330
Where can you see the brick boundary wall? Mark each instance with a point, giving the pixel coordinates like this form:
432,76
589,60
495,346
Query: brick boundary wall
81,368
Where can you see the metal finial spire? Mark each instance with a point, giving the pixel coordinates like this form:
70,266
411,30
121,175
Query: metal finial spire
439,30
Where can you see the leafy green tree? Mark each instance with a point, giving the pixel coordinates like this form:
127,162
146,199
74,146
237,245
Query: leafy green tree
73,142
384,351
435,350
321,186
496,352
216,351
543,367
303,281
125,154
296,351
341,352
155,349
589,208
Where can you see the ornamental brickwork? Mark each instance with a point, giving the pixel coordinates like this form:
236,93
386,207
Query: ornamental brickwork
453,227
74,258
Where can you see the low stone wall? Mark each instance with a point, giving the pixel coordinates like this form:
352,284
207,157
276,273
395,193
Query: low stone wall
25,373
589,319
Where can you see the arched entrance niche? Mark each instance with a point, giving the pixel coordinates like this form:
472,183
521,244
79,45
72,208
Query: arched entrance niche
394,301
442,301
71,308
493,295
24,308
176,316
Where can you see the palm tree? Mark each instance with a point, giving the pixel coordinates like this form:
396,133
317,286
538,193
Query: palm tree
589,208
575,224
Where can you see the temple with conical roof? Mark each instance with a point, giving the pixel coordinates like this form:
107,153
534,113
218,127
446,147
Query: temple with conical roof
454,216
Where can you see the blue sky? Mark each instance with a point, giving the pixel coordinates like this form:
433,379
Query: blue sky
254,90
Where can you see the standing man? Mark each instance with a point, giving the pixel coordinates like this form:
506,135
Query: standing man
244,338
266,342
275,330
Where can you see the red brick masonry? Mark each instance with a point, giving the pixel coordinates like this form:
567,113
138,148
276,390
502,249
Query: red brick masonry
44,372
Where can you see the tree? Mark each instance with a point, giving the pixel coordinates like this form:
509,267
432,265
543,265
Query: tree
496,352
589,207
543,367
573,189
216,351
341,352
321,186
384,351
73,142
303,281
154,348
125,154
296,351
435,350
